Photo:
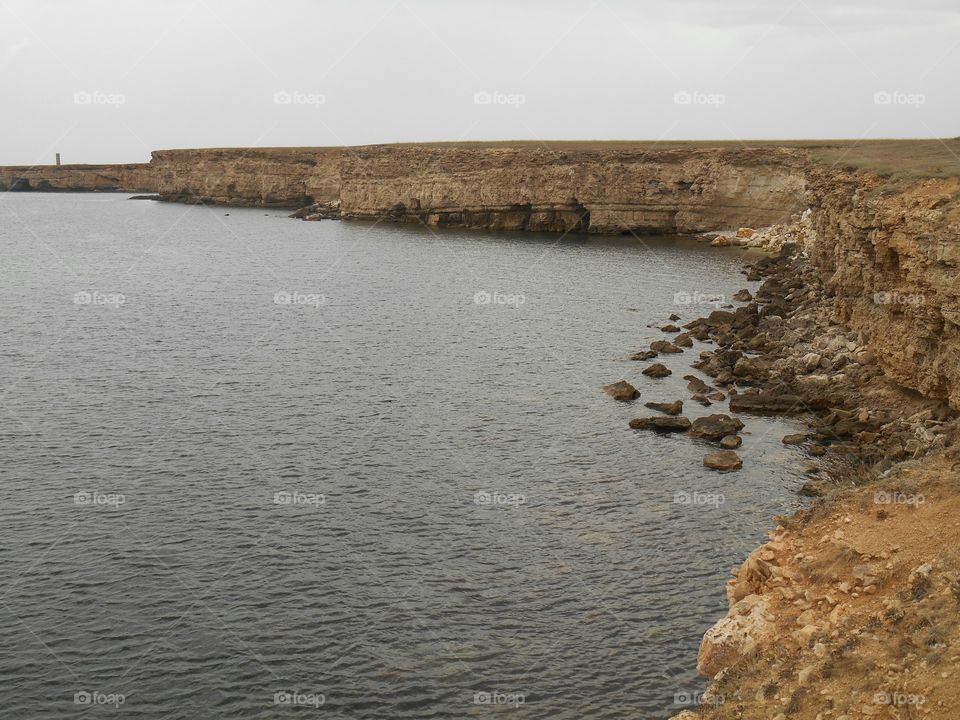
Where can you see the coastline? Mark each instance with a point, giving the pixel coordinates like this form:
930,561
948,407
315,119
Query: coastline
857,323
847,575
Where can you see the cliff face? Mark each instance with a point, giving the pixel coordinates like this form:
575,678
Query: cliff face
79,178
600,190
280,177
595,190
890,257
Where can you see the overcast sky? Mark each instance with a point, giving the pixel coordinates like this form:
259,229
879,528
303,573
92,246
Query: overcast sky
110,80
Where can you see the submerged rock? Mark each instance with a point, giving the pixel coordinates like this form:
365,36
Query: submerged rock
661,423
724,460
731,442
621,391
714,427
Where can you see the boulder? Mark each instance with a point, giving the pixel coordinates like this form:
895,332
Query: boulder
746,233
664,346
644,355
621,391
714,427
661,423
743,295
725,460
671,408
720,317
670,329
796,439
731,442
657,370
696,385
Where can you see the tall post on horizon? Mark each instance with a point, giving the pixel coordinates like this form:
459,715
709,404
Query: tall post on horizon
58,159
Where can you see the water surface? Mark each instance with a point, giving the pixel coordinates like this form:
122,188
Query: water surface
383,492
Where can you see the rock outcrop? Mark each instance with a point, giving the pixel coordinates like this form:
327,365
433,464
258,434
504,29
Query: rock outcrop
133,178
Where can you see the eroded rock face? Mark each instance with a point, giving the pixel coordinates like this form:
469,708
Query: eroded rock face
569,188
134,178
746,627
892,260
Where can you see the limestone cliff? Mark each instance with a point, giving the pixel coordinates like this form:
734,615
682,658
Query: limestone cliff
79,178
890,255
606,188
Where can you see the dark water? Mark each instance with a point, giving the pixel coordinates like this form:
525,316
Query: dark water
378,577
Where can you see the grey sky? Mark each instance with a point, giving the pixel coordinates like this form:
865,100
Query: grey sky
109,80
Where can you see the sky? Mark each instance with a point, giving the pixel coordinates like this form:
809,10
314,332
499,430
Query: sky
111,80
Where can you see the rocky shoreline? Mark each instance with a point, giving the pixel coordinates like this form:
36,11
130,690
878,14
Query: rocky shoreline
782,352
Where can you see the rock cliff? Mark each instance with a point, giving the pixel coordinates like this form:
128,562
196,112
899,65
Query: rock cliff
602,189
79,178
890,254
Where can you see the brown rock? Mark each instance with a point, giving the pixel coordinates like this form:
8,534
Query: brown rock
714,427
672,408
621,391
797,439
725,460
664,346
661,423
658,370
731,442
746,233
743,295
670,329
